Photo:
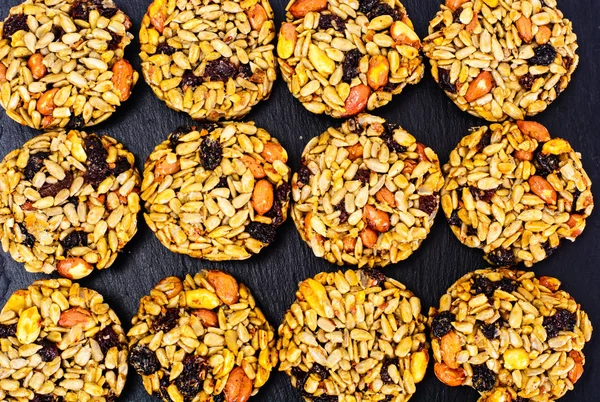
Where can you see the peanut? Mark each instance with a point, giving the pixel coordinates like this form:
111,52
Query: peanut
320,60
576,223
158,14
576,372
540,187
349,243
404,35
302,7
534,130
257,16
368,237
480,86
164,168
355,151
262,197
523,155
524,29
450,377
76,316
16,302
286,42
201,298
543,35
516,359
473,24
274,152
550,283
47,121
225,285
29,326
74,268
238,387
315,295
378,73
357,99
386,196
36,65
45,105
170,286
2,73
421,152
122,79
376,219
454,4
256,168
208,318
418,365
450,346
556,146
409,166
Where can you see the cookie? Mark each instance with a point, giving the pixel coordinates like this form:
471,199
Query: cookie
367,193
510,336
60,341
515,192
501,59
68,202
217,191
62,65
356,336
341,58
211,60
202,339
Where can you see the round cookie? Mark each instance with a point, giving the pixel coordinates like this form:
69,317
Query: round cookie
367,193
515,192
68,202
61,63
211,60
217,191
60,341
340,58
510,336
356,335
202,339
501,59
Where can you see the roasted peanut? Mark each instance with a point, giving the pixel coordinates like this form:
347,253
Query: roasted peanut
524,29
450,377
576,223
523,155
450,346
45,105
225,285
2,73
257,16
454,4
122,79
208,318
76,316
74,268
320,60
386,196
550,283
29,326
16,302
36,65
421,152
357,100
543,35
369,237
315,295
376,219
262,197
349,243
164,168
480,86
286,42
418,365
355,151
238,387
170,286
302,7
201,298
556,146
274,152
543,189
404,35
378,73
255,167
534,130
158,14
516,359
473,24
577,371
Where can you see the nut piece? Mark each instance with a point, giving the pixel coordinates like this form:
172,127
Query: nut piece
29,326
534,130
238,387
377,219
386,196
523,155
76,316
450,377
287,40
263,197
355,151
257,16
45,105
319,59
255,167
404,35
122,79
418,365
274,152
516,359
577,371
543,35
158,14
170,286
164,168
36,65
550,283
556,146
357,99
201,298
207,317
369,237
524,28
450,347
2,73
16,302
480,86
225,285
74,268
378,73
454,4
543,189
302,7
316,296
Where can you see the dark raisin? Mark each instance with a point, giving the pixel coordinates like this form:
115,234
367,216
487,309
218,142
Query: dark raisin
319,370
222,183
327,21
490,331
301,377
115,41
519,399
562,320
545,164
35,164
111,397
344,215
544,55
165,48
391,87
428,203
378,277
162,389
442,324
548,248
303,175
46,398
282,193
350,65
107,339
219,398
507,285
576,195
354,125
445,82
14,24
73,200
58,32
557,88
190,80
471,231
261,232
388,137
143,360
49,350
7,330
526,81
567,62
245,71
166,321
75,239
220,70
178,133
211,153
80,10
97,168
454,220
75,123
107,12
363,175
50,190
481,284
501,257
276,214
483,195
485,140
484,379
385,374
191,380
121,165
456,15
375,8
29,240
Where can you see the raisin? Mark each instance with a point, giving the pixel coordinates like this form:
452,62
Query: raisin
354,125
562,320
391,87
50,190
75,123
327,21
162,389
7,330
261,231
481,284
73,200
545,164
219,398
350,65
526,81
471,231
485,140
519,399
245,71
482,195
456,15
363,175
115,41
35,164
75,239
46,398
107,339
80,10
501,257
303,175
165,48
191,380
211,153
143,360
378,277
222,183
166,321
484,379
454,220
14,24
385,374
190,80
442,324
544,55
445,82
557,88
178,133
548,248
388,137
375,8
49,350
107,12
428,203
282,194
507,285
220,70
97,168
319,370
58,32
567,62
490,331
576,195
301,377
344,215
29,240
121,165
111,397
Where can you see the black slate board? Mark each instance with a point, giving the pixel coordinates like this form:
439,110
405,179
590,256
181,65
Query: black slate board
423,110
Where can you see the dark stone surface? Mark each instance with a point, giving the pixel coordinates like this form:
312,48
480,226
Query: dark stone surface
426,112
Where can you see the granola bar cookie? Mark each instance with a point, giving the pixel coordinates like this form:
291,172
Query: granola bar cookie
510,336
500,59
341,58
217,191
211,60
61,63
202,339
60,341
367,193
356,335
68,202
515,192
